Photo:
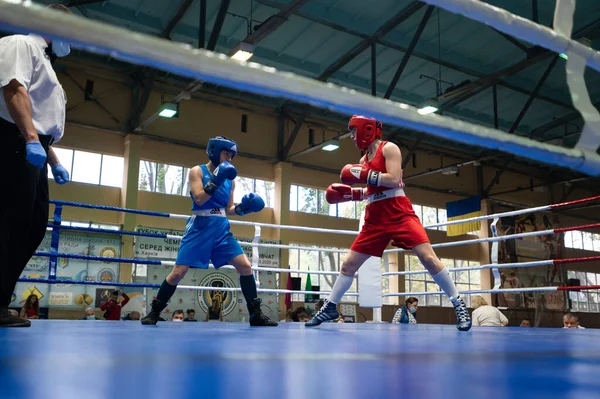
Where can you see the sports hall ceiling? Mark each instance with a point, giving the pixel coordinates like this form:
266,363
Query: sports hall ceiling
433,53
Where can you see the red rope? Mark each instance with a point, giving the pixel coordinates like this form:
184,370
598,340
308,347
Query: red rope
575,202
576,260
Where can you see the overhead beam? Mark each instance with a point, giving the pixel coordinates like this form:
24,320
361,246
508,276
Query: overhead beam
274,22
513,41
288,146
423,56
537,54
76,3
536,90
362,46
374,69
176,18
409,52
219,20
534,11
202,24
139,103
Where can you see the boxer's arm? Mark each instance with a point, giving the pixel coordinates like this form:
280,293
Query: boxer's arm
393,165
197,187
231,205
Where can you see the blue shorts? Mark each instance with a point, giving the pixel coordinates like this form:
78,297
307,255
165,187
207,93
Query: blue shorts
207,238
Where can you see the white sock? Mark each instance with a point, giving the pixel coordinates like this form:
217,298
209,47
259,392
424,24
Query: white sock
444,280
341,285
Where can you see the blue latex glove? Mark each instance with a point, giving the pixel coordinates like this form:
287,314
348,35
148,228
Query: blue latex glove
35,154
225,171
61,176
250,203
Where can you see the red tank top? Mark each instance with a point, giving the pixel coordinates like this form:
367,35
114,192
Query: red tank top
387,210
377,164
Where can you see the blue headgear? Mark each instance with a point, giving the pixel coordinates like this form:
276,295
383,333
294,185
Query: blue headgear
218,144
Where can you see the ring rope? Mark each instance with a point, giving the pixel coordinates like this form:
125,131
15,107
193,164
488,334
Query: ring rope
200,64
289,227
502,265
501,290
182,287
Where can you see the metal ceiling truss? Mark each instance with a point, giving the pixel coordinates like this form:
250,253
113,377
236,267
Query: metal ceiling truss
409,52
426,57
362,46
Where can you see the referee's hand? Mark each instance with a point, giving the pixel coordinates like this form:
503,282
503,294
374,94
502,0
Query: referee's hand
35,154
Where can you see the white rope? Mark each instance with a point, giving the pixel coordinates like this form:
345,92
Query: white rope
499,291
480,240
480,267
199,64
265,290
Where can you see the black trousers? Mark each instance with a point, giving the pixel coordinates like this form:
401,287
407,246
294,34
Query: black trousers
23,207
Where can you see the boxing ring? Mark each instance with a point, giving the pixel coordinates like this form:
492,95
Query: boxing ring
99,359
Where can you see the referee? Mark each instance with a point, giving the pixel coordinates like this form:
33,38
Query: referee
32,118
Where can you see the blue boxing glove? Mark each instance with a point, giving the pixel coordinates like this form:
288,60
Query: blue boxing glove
250,203
61,176
225,171
35,154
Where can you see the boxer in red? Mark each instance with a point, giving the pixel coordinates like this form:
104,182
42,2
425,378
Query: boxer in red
388,216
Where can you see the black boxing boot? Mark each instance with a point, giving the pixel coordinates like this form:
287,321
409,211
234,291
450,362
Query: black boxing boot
152,318
257,317
8,320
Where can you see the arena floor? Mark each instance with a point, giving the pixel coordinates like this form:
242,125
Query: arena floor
102,359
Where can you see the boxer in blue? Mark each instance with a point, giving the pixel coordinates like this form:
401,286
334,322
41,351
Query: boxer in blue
207,236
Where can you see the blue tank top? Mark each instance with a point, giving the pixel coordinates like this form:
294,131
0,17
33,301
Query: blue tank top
219,199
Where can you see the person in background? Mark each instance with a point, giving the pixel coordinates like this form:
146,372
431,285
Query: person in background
571,320
177,315
112,307
525,323
90,314
407,314
191,314
215,312
31,309
485,315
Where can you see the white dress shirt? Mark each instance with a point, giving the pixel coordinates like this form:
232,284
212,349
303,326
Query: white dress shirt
489,316
23,57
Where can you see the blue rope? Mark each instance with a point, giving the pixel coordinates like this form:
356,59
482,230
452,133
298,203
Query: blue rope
86,282
101,258
55,241
109,231
110,208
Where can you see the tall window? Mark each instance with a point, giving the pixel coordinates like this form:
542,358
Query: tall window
174,179
90,167
314,260
585,301
582,240
467,280
312,200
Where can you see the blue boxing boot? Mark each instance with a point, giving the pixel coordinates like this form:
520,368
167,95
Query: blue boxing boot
327,312
463,320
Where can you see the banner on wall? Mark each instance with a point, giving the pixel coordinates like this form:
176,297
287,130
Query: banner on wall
70,295
530,249
233,304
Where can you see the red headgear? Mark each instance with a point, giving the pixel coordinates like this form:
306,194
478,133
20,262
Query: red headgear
367,130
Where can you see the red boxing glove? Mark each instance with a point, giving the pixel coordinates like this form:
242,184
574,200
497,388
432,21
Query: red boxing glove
352,174
337,193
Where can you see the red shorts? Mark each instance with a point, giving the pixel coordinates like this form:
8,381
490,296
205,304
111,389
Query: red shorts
396,222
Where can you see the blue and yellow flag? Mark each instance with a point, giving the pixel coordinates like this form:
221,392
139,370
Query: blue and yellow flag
463,209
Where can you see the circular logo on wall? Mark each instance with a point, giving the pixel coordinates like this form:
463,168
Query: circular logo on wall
108,252
106,275
217,279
